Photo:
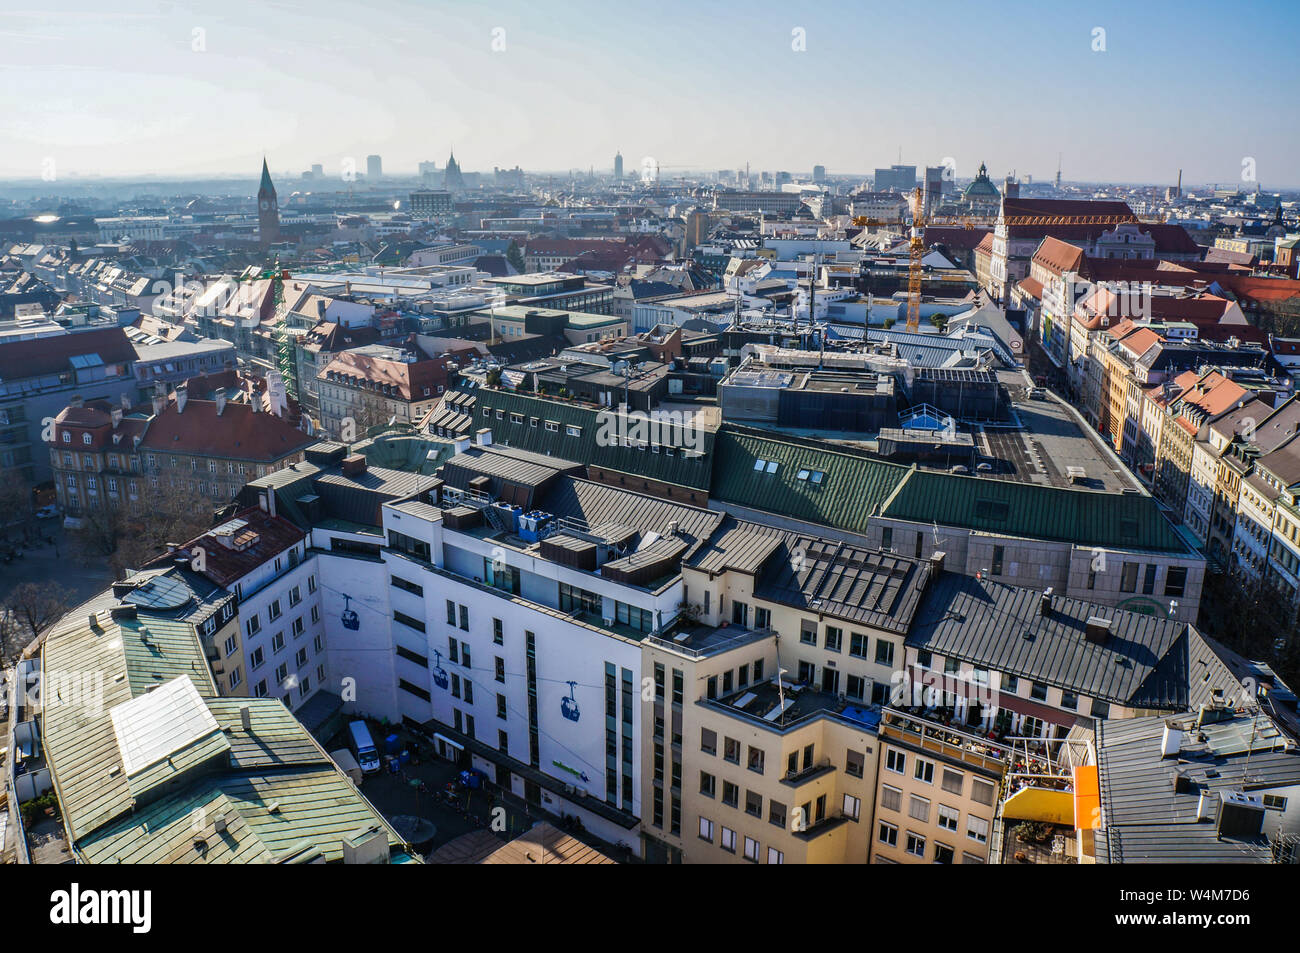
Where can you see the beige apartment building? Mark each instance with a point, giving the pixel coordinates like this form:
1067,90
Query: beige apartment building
936,793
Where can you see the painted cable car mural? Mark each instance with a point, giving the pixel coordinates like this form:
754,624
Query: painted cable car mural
439,673
350,618
569,706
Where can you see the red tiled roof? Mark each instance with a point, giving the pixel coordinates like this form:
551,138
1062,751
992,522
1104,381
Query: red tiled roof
237,433
1058,256
225,565
1032,287
1019,206
41,356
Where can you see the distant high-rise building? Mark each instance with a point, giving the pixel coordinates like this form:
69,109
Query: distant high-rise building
268,209
897,178
374,167
933,188
819,174
618,166
317,171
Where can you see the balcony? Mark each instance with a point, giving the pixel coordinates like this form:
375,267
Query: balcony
919,733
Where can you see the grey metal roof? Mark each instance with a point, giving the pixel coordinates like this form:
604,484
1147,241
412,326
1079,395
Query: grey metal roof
1147,821
865,586
999,627
597,503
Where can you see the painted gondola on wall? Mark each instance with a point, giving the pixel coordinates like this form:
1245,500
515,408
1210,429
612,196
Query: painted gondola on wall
439,673
350,618
569,706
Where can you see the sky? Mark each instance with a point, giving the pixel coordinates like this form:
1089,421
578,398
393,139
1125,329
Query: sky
141,87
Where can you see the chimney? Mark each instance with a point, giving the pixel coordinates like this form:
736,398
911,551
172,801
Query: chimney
220,396
354,465
116,416
1045,602
246,719
1171,740
157,405
462,444
76,401
320,307
126,401
182,395
1205,806
1098,630
484,437
936,562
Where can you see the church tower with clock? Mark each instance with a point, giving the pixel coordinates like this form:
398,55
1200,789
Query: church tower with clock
268,210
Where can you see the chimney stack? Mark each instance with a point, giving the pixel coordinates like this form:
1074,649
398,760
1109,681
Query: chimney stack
484,437
1045,602
936,561
182,395
246,718
1098,630
116,416
220,396
76,400
126,401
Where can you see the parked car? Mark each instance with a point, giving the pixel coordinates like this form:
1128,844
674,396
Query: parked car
47,512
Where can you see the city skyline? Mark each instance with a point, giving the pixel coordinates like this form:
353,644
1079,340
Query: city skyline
241,81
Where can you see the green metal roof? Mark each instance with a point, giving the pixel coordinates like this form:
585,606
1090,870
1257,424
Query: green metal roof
276,788
586,448
851,488
1083,517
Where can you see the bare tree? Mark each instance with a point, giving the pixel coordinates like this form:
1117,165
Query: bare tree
131,536
35,606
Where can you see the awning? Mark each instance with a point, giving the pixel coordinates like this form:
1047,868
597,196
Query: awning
1087,799
450,744
1023,706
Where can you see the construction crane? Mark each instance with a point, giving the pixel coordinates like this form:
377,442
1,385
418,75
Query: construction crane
916,240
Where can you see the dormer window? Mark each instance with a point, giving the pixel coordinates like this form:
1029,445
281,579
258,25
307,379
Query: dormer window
67,437
86,438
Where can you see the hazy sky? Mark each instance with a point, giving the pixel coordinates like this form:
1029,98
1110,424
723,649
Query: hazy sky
198,88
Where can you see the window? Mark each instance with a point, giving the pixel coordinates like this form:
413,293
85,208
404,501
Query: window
1128,578
731,750
884,652
1100,709
952,781
775,856
895,761
255,660
451,612
499,666
727,840
982,791
753,803
730,794
977,829
706,829
708,784
253,625
277,642
273,611
400,583
708,741
888,834
891,798
498,635
915,844
924,771
464,618
808,632
1149,579
405,620
834,638
858,645
943,854
948,817
1175,580
998,552
232,643
1010,683
295,595
854,763
776,813
1069,700
1038,691
751,849
919,808
852,806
